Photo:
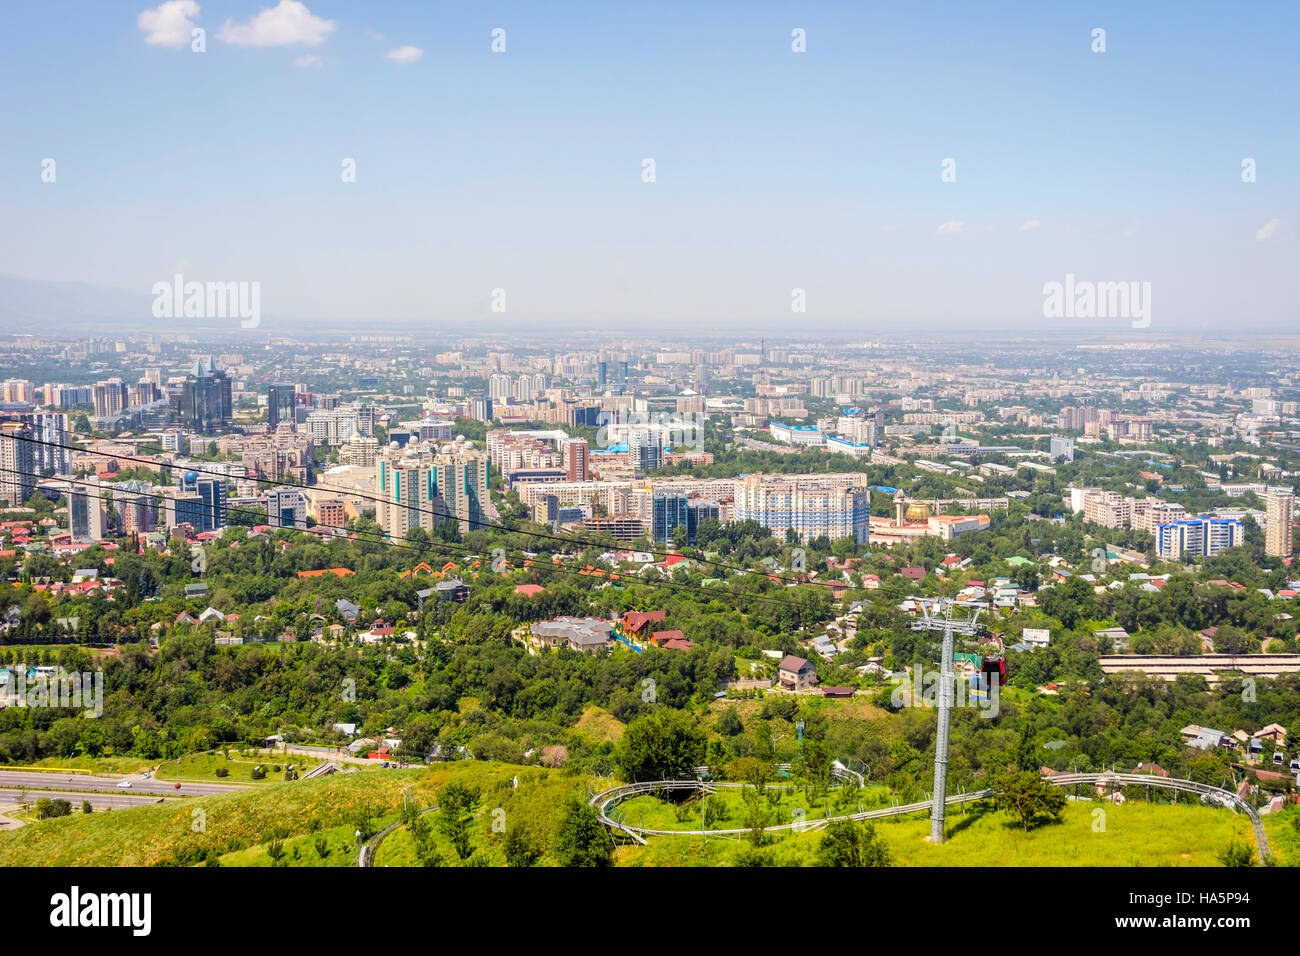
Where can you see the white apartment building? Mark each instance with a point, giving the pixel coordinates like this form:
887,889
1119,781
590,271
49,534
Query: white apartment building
805,504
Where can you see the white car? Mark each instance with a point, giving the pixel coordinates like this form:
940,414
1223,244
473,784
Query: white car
124,785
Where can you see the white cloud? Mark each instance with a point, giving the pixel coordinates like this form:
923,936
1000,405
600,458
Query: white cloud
1268,230
169,23
1029,225
289,23
308,59
950,228
404,54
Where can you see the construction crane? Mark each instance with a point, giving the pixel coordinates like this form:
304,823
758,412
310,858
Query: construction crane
941,614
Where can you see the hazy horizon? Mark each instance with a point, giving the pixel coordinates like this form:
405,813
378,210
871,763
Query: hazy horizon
928,165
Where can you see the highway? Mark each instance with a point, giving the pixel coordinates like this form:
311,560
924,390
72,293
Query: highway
10,798
105,783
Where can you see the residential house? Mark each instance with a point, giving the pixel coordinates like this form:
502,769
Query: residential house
796,674
586,634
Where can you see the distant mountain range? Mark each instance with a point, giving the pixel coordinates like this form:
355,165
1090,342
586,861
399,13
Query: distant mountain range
34,305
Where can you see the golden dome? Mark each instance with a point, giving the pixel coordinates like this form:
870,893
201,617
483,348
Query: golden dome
917,512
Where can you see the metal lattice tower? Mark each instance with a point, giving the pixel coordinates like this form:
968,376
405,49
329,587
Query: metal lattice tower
937,615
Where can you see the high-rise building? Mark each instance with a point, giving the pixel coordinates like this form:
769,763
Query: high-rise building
110,397
18,390
280,401
286,508
69,396
212,496
1200,537
332,426
644,450
50,452
669,511
1279,513
1062,448
810,506
136,512
144,392
86,511
575,458
17,462
423,487
359,450
204,401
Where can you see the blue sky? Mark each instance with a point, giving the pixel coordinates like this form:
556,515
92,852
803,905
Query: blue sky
775,170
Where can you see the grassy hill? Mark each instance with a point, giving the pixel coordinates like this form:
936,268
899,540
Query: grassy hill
1136,835
314,822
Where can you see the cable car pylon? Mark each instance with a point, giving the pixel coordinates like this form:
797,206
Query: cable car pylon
937,614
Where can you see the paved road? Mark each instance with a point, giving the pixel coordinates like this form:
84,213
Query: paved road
10,799
19,779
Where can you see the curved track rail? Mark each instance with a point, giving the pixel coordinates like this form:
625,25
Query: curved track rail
608,799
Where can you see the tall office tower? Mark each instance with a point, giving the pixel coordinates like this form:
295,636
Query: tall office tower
481,409
1062,448
109,397
204,399
644,452
575,459
86,511
211,495
1279,512
602,372
622,373
279,406
668,511
17,462
366,419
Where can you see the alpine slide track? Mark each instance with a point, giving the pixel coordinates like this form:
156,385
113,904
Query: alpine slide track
607,800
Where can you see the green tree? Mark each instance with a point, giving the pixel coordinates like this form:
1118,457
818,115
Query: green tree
1237,854
455,810
582,839
1028,797
664,745
845,843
